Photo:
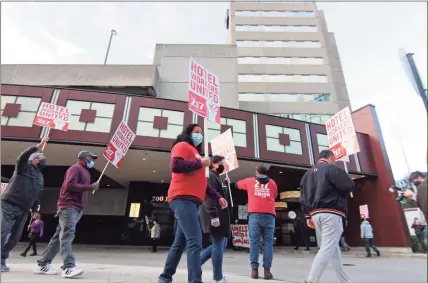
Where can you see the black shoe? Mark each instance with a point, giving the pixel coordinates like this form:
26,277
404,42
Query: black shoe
307,249
378,253
23,254
33,254
369,255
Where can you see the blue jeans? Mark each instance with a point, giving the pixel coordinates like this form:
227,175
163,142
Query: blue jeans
12,224
62,239
215,252
261,226
188,235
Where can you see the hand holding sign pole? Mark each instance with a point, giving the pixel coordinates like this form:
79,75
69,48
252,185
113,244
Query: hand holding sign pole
342,138
117,147
204,98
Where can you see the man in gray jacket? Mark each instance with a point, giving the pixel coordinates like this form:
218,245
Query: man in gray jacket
367,236
22,195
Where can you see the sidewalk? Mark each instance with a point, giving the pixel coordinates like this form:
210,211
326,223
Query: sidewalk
111,273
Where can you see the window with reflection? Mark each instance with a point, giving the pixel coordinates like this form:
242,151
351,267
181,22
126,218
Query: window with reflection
27,111
277,43
104,113
273,140
313,118
271,78
146,120
282,60
239,130
275,28
298,14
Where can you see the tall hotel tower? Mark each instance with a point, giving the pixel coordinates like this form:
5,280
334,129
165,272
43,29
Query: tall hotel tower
288,62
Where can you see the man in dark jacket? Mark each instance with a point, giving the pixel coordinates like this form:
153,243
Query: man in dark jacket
72,200
323,197
420,181
22,194
215,220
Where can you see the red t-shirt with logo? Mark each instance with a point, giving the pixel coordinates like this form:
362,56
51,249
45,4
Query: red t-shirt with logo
261,197
192,183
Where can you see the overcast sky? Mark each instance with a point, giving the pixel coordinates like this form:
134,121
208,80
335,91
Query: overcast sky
368,36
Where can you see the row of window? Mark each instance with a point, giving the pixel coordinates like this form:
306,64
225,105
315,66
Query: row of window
282,78
282,60
285,97
303,14
278,43
275,28
312,118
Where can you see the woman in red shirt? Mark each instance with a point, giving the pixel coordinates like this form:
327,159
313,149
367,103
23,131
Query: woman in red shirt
186,193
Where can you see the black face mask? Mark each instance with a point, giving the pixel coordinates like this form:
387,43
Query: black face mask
41,164
417,183
220,169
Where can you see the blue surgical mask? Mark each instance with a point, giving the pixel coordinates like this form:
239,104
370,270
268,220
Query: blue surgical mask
90,164
197,138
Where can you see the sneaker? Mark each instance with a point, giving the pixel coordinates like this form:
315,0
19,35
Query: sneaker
45,270
369,255
71,272
23,254
223,280
33,254
4,268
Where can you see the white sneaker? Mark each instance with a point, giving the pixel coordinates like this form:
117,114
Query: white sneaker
71,272
45,270
223,280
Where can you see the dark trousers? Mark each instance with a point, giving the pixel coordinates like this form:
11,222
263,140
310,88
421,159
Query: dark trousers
368,242
12,225
300,237
33,241
154,245
421,239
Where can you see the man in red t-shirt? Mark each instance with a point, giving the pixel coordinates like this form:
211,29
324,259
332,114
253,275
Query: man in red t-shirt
262,192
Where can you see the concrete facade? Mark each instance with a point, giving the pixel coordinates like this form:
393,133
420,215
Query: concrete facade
256,27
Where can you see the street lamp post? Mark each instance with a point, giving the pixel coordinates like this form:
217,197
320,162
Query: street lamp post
113,32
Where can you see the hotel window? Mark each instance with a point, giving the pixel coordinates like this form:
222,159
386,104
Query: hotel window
274,143
281,60
239,130
284,97
305,14
313,118
275,43
312,97
323,144
252,97
272,28
282,78
103,116
28,107
147,123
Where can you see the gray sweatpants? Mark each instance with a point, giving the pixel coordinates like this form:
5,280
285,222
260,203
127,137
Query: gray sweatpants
331,228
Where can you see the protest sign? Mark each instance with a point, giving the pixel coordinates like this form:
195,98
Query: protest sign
240,236
364,211
223,145
119,144
3,187
204,92
342,138
52,116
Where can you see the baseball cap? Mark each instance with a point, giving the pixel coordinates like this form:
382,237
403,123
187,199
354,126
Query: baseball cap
86,154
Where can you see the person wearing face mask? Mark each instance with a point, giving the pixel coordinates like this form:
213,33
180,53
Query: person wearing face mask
215,221
185,194
420,196
419,231
73,197
22,194
323,197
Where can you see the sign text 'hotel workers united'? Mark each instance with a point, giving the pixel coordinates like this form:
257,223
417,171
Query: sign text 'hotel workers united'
342,138
52,116
204,92
119,144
